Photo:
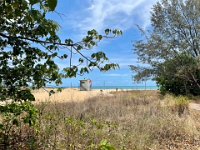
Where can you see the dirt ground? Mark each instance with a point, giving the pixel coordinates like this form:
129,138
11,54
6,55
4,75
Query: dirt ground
194,106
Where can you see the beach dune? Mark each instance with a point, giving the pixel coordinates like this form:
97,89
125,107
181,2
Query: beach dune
67,95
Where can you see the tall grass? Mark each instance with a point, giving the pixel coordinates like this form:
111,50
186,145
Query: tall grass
127,121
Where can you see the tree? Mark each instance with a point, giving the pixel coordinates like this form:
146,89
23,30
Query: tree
29,45
171,49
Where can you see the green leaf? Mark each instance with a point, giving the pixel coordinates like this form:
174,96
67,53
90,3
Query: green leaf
100,37
32,2
15,122
51,92
105,145
81,60
65,56
79,47
52,4
59,90
107,31
1,126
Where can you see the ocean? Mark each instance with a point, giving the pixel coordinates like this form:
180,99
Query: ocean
117,87
127,87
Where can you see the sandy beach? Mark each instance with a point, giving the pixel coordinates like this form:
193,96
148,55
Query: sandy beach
66,95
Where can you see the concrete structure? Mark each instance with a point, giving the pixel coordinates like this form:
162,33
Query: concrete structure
85,85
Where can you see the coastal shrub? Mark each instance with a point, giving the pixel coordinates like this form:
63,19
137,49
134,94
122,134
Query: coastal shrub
182,105
169,50
17,122
112,122
179,76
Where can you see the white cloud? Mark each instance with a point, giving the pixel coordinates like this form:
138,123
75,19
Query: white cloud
123,14
117,75
125,61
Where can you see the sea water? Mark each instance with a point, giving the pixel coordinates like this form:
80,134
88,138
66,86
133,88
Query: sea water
127,87
115,87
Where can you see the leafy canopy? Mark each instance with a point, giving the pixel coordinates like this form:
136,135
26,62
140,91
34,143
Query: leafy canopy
29,46
171,49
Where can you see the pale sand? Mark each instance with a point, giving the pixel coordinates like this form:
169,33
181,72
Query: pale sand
68,95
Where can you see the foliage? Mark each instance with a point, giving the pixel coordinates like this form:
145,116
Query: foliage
105,145
182,105
171,49
29,46
179,75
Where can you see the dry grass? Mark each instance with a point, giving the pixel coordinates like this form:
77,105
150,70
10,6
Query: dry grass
67,95
133,120
129,120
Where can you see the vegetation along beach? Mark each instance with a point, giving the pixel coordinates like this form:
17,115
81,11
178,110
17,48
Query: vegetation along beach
100,75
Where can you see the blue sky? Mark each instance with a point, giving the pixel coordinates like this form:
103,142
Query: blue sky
76,17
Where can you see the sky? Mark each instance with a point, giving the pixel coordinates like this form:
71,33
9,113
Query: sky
76,17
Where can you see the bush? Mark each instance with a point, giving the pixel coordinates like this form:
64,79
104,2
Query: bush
182,105
179,75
